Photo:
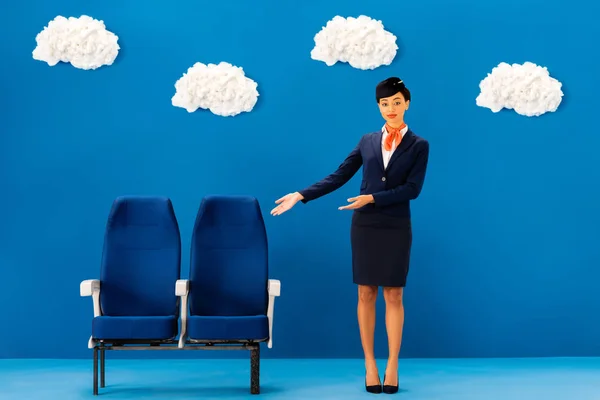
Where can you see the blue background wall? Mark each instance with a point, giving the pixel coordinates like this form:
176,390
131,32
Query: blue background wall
506,261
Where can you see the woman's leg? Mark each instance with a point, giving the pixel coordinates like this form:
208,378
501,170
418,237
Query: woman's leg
394,323
367,295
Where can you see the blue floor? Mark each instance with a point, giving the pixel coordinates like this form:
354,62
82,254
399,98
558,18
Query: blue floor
481,379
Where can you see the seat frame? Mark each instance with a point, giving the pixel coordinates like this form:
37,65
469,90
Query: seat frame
92,287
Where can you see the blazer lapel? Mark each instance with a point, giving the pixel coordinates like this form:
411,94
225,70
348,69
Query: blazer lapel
377,148
406,142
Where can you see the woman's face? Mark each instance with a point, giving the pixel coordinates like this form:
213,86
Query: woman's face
393,108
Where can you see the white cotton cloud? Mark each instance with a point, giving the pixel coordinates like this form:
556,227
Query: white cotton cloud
528,89
223,89
361,42
84,42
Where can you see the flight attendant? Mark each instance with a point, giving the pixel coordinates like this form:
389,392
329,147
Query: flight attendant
394,162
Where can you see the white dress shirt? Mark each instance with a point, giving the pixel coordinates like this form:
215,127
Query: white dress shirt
388,154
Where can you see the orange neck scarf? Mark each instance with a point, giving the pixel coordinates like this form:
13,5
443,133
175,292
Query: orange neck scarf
393,134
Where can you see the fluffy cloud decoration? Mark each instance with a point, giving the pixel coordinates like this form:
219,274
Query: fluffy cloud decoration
223,89
362,42
84,42
528,89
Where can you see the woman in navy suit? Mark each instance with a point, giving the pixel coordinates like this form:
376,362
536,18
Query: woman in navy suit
394,162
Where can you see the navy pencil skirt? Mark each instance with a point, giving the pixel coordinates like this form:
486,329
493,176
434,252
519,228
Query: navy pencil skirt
381,247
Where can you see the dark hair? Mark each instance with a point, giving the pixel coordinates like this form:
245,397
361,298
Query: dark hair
390,87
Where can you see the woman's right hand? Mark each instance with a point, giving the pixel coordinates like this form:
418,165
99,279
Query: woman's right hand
286,202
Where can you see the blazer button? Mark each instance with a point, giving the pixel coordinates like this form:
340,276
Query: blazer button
383,178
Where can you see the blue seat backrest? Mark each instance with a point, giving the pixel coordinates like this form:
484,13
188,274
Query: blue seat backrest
141,260
229,258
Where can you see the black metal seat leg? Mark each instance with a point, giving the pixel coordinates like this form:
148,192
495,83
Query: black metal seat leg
255,369
102,363
95,371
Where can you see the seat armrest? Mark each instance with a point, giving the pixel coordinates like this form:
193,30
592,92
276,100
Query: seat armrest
182,289
274,289
91,287
88,287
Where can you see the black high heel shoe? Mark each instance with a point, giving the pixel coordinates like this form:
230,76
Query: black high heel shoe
373,388
390,389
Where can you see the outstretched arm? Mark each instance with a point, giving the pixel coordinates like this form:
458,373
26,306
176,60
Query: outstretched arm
412,188
343,174
346,170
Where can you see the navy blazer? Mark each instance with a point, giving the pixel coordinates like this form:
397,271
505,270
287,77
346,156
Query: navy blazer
392,187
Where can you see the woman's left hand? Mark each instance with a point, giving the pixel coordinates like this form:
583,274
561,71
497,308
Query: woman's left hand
358,202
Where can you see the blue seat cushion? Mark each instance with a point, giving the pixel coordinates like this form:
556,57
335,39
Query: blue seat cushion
134,328
228,328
